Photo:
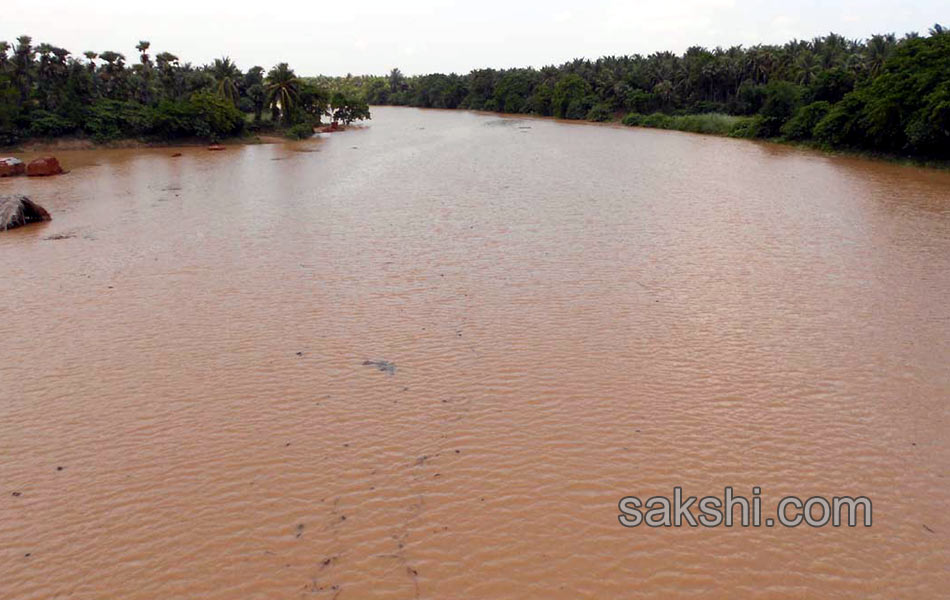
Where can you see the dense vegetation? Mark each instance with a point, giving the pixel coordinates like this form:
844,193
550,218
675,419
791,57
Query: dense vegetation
883,94
46,92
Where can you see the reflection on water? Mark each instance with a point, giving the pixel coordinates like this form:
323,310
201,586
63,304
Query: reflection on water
572,314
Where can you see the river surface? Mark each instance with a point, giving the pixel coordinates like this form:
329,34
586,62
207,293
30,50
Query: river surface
568,314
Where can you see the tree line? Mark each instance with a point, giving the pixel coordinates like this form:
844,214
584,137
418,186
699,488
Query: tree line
45,91
883,94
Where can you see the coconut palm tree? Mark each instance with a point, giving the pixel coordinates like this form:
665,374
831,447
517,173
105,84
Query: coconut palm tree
283,89
806,68
879,49
227,75
396,80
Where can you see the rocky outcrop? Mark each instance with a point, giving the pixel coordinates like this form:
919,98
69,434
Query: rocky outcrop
43,167
10,167
16,211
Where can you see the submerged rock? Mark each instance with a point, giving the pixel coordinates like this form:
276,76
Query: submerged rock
10,167
16,211
43,167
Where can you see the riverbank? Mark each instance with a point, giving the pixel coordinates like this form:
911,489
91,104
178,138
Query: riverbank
71,143
722,125
739,127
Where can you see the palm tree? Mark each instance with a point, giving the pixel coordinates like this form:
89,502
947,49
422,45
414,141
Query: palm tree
664,91
23,65
806,68
396,80
142,47
227,75
4,48
283,89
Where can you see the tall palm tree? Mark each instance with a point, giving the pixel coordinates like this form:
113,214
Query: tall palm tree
143,47
879,49
23,65
396,80
4,48
227,75
806,68
283,89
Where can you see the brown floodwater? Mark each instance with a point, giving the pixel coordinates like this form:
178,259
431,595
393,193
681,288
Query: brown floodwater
569,314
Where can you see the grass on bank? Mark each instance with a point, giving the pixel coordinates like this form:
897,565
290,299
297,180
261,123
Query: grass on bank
708,123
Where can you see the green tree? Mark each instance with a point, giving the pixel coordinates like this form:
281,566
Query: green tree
227,76
570,97
282,88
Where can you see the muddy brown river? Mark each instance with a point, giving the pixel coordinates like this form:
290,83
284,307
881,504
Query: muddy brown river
427,358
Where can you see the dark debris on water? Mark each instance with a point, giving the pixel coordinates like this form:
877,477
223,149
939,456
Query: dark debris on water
381,365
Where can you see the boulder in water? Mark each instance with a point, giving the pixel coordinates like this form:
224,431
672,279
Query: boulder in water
42,167
16,211
10,167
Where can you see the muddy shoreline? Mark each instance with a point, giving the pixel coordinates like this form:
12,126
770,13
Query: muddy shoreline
72,143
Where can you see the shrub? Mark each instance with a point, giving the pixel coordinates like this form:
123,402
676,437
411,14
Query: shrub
633,119
599,113
111,119
658,120
214,116
781,101
570,98
173,119
840,127
710,123
802,125
748,127
300,131
929,129
47,124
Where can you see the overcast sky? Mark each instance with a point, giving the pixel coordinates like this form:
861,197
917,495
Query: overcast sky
423,36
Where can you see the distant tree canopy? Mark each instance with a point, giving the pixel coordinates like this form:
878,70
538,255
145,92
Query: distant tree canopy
883,94
45,91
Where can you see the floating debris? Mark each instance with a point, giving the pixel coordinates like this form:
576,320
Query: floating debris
382,365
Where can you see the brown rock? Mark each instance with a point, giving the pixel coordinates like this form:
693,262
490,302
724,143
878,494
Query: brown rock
215,147
42,167
332,127
16,211
10,167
